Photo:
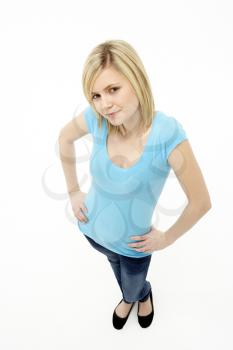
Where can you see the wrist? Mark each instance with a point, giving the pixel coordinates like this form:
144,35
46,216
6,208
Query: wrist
74,191
168,238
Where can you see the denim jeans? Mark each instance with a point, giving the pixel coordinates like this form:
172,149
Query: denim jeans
130,273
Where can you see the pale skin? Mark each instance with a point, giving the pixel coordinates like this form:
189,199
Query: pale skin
124,152
181,160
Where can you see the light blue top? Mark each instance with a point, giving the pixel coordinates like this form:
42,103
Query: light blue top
121,201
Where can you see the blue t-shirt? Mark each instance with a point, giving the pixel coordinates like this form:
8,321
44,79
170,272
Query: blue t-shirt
121,201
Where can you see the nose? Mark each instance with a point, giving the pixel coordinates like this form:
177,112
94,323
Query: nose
106,104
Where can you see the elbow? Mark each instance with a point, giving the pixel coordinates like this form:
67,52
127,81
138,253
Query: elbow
201,207
206,206
201,202
62,137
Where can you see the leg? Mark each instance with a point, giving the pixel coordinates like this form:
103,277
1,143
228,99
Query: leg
116,267
133,278
112,257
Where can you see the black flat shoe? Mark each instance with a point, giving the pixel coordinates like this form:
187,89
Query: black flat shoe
145,321
119,322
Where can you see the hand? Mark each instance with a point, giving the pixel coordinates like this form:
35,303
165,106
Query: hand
77,203
154,240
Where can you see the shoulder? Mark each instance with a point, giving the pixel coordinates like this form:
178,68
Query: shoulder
91,119
89,112
169,133
169,127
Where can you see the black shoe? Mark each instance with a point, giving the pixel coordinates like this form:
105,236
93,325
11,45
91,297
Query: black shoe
145,321
119,322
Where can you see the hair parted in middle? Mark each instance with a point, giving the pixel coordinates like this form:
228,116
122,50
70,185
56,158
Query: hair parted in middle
120,55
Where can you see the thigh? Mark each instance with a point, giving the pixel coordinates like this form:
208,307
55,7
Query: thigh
112,256
134,266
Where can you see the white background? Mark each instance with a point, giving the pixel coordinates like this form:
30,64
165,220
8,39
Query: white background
56,291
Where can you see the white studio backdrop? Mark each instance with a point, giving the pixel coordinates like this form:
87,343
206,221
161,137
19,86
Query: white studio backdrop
56,291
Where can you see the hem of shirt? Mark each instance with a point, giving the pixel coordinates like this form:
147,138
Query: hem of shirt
128,256
169,150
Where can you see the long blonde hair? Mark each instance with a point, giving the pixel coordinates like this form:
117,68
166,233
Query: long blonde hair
123,57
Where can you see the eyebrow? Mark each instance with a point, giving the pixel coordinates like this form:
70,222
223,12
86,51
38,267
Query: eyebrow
93,93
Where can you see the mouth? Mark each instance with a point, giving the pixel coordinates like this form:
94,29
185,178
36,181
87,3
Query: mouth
113,114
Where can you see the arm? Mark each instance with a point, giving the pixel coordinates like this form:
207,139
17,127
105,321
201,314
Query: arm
71,132
187,170
68,160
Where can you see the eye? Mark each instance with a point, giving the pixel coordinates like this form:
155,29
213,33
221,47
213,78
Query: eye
114,88
93,97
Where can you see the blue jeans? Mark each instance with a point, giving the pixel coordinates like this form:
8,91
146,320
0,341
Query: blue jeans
130,273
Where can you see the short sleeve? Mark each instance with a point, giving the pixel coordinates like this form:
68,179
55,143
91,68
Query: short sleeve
174,135
90,117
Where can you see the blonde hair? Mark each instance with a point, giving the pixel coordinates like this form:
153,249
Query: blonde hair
123,57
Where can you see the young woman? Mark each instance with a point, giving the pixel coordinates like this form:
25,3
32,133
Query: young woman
134,149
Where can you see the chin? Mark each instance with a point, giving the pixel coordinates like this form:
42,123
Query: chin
115,122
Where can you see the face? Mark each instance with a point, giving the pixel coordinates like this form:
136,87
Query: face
119,97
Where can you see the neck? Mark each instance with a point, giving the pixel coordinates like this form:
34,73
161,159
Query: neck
131,128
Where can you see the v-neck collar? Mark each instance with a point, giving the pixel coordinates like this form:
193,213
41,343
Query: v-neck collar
143,154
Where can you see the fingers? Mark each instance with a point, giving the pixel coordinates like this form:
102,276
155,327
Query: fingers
135,245
81,215
137,238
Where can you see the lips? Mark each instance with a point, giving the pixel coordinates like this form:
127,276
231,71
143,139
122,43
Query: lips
112,114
